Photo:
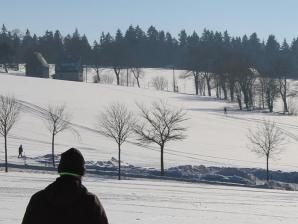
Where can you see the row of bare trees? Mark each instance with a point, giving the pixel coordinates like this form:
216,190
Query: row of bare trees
161,123
246,87
158,124
123,76
249,90
56,120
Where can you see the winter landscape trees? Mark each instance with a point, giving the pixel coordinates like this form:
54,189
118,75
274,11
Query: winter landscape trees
245,70
56,120
266,141
160,124
9,112
116,122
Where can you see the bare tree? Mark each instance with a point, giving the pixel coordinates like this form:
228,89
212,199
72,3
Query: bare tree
137,73
202,85
266,141
160,124
195,73
117,70
98,70
57,120
208,76
271,92
284,89
9,112
116,122
260,90
293,106
159,83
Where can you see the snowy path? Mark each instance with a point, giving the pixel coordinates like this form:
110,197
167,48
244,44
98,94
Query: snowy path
163,202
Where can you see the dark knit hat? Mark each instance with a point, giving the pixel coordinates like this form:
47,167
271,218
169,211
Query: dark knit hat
72,161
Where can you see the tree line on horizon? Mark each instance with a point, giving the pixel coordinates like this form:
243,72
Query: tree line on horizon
238,68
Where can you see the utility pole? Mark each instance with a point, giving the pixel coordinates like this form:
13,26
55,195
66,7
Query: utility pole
86,73
174,81
126,76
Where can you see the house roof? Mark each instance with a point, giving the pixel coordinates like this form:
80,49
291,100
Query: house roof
41,59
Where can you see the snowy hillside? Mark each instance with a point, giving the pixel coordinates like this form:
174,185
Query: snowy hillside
213,138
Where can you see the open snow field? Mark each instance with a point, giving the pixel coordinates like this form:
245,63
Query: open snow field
213,138
144,201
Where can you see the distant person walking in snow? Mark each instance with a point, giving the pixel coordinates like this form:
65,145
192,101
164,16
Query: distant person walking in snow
225,110
66,200
20,151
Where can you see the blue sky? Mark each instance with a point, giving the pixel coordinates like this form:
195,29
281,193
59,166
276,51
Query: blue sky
278,17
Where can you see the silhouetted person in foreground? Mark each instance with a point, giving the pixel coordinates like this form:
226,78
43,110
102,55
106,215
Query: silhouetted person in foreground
20,151
225,110
66,200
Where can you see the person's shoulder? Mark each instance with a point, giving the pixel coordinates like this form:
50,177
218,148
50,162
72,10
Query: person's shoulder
92,198
37,197
38,194
95,207
90,195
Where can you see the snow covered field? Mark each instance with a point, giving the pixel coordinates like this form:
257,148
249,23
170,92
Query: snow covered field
213,138
163,202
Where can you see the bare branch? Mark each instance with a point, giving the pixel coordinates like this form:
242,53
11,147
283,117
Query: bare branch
116,122
9,112
57,119
160,124
266,141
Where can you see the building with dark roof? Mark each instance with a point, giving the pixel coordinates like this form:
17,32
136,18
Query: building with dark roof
37,66
69,69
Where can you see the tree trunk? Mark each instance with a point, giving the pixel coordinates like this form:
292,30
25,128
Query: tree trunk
204,88
267,167
262,97
224,91
196,83
270,105
232,93
5,146
208,85
217,90
119,162
117,73
5,67
285,105
138,82
97,75
283,92
232,87
53,150
246,100
239,102
162,170
127,77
